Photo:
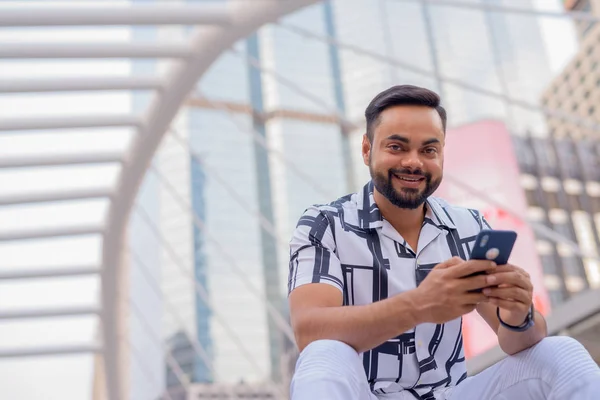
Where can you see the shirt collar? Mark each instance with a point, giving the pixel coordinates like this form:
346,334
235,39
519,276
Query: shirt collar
437,214
369,216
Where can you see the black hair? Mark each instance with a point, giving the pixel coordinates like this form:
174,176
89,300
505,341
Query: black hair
401,95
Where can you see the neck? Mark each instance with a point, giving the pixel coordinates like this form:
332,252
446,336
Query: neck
404,220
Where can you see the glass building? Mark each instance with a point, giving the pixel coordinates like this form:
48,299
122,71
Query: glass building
112,290
275,125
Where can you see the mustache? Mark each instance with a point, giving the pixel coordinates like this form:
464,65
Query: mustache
404,171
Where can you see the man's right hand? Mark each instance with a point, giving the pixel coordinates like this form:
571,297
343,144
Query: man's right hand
447,291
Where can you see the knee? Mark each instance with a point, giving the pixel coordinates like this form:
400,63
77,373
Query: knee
326,355
333,350
558,360
328,367
556,352
557,346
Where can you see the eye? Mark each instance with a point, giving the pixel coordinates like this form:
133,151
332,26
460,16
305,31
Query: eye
394,147
430,150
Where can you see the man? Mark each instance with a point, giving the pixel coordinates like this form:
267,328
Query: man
379,282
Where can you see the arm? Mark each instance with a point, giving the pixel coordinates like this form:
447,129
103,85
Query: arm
317,313
513,342
316,294
514,297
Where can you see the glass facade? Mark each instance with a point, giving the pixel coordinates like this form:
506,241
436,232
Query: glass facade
201,372
264,123
233,248
259,139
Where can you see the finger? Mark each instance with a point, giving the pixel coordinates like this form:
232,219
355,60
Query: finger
472,267
508,304
510,278
511,267
524,276
523,273
474,298
473,283
511,293
449,263
504,268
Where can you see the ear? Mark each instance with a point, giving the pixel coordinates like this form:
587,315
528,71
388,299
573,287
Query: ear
366,149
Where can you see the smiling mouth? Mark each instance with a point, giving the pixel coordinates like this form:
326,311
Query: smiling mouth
407,179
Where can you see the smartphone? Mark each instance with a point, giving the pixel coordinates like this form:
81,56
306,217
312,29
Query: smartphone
494,246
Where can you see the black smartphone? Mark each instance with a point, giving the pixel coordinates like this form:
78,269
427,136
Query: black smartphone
493,245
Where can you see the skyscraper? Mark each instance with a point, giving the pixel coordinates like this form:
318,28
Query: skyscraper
565,165
267,140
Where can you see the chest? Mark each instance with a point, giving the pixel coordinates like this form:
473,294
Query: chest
377,264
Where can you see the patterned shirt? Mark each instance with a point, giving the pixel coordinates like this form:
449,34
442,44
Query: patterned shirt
347,244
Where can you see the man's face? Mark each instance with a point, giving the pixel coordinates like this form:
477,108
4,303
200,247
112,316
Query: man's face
406,157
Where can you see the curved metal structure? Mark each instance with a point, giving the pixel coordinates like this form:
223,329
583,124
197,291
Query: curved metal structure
207,44
219,26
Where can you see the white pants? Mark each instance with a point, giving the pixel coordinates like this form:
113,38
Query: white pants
557,368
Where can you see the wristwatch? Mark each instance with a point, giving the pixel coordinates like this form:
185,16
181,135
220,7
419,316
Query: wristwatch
528,323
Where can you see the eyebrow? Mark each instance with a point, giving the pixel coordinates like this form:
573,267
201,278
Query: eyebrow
398,138
431,141
406,140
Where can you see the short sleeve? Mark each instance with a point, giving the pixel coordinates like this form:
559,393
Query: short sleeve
312,252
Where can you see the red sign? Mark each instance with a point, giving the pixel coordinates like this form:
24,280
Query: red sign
481,172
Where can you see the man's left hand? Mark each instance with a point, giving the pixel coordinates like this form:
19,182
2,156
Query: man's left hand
512,293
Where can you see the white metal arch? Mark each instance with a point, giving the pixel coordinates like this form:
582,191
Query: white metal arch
207,44
222,27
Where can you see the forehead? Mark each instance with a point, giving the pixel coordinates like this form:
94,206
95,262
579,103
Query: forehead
409,121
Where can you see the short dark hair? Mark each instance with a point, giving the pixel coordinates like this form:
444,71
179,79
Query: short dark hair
401,95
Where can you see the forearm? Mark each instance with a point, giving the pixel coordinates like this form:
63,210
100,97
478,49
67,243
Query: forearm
362,327
513,342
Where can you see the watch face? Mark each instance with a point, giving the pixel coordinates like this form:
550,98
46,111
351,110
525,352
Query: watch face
531,314
529,321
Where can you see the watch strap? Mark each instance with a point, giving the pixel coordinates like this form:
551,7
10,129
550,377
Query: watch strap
528,323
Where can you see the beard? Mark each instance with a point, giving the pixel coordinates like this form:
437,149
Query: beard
406,197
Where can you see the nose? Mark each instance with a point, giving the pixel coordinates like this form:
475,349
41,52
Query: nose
412,161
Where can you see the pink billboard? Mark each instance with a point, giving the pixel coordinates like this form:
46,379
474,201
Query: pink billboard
481,172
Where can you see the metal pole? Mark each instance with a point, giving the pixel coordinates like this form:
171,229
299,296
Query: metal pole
334,57
387,39
265,204
576,15
433,49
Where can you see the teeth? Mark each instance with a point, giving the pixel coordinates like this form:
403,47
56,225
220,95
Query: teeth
410,180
